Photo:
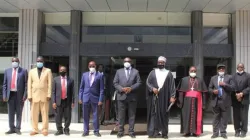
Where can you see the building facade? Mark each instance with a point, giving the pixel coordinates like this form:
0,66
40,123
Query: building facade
74,37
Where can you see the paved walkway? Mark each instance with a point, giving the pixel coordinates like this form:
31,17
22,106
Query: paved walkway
76,132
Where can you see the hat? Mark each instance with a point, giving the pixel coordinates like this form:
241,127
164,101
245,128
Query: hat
221,65
162,58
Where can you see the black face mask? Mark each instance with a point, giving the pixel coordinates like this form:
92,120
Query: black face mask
161,66
62,73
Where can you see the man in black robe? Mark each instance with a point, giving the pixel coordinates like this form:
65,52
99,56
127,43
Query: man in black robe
191,100
240,101
160,93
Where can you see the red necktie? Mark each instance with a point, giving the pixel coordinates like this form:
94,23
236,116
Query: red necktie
13,80
63,89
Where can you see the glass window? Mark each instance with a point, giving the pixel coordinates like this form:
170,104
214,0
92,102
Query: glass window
8,44
136,34
57,34
215,35
9,23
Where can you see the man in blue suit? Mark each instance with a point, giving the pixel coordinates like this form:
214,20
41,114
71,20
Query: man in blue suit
91,96
15,93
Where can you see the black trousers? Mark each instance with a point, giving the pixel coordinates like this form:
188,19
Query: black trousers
220,118
240,114
15,108
122,105
63,110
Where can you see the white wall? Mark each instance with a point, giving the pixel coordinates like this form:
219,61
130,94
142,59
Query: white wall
5,63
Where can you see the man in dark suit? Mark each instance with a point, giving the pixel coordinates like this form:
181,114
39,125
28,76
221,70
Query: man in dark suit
240,101
91,94
221,86
15,93
126,81
63,100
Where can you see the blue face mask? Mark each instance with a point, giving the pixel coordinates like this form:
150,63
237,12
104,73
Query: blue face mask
39,64
15,64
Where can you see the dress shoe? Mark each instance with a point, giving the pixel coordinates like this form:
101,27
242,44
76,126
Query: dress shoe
164,136
66,133
224,136
132,135
10,132
45,133
97,134
119,135
18,132
237,134
33,133
85,134
243,135
58,133
214,136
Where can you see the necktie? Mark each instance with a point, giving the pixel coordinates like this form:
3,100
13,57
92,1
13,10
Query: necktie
90,78
13,80
220,88
63,89
127,71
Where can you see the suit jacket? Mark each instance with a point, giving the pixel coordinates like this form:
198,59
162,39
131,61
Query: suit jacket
242,86
57,91
121,81
227,90
94,92
21,85
39,88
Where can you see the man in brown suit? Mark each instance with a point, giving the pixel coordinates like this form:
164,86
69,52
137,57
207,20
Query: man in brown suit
39,94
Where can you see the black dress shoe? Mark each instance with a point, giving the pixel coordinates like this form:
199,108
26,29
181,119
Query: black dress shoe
97,134
237,134
132,135
10,132
66,133
243,135
164,136
119,135
85,134
224,136
18,132
214,136
58,133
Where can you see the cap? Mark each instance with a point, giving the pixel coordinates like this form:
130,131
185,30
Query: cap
221,65
162,58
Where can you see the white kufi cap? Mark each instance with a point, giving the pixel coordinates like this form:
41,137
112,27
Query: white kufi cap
162,58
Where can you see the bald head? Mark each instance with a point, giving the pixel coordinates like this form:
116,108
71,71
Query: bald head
240,67
92,66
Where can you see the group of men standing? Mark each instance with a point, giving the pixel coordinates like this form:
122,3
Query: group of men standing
39,87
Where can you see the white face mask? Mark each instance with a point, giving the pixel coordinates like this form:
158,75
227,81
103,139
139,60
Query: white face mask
92,70
221,73
240,72
192,74
127,64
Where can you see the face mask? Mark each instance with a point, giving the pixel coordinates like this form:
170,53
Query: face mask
240,72
127,64
161,66
221,73
62,73
15,64
39,64
192,74
92,70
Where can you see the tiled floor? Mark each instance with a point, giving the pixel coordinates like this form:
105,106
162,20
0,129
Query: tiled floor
76,131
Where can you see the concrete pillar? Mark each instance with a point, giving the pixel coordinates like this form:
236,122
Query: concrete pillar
197,41
74,58
30,24
241,37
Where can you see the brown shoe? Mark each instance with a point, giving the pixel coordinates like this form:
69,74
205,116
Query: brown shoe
33,133
45,133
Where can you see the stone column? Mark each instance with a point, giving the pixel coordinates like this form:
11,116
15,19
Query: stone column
197,41
30,24
74,57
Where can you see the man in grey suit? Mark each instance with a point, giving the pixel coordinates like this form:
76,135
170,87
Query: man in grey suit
63,100
15,93
221,87
126,81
